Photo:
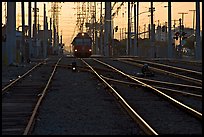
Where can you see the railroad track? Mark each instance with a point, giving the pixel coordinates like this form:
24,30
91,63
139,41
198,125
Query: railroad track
22,97
190,70
139,99
193,77
152,98
195,63
189,90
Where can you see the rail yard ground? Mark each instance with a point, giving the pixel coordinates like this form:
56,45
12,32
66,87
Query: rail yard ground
78,103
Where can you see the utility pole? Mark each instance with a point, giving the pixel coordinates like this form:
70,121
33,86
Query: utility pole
122,34
50,37
193,19
5,12
23,33
180,32
11,32
152,29
169,32
174,24
45,41
55,9
144,30
198,43
93,28
112,42
135,30
51,24
35,28
96,36
30,26
107,35
101,31
129,30
182,17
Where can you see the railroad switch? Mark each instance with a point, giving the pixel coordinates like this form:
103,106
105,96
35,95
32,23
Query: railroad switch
145,71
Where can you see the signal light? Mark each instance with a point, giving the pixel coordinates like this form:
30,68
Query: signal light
74,66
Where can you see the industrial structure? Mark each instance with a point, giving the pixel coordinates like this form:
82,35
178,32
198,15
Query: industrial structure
33,42
21,44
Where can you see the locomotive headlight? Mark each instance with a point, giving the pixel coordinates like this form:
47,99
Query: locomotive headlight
75,50
90,50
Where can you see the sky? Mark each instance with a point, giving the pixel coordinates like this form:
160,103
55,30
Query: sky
67,17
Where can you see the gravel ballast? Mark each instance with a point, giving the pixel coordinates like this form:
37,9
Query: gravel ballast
77,104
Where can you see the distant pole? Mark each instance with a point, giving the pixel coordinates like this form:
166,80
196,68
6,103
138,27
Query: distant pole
152,30
51,40
175,24
144,30
125,33
11,32
129,30
35,28
112,42
5,12
23,32
93,29
51,24
45,34
193,20
169,32
131,45
96,36
182,13
135,30
120,33
101,31
30,26
107,35
180,31
198,43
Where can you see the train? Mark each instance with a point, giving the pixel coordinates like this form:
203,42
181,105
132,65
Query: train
82,45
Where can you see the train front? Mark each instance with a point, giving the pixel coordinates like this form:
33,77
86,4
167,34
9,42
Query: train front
82,44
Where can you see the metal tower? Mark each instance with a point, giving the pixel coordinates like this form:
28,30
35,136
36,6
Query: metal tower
55,9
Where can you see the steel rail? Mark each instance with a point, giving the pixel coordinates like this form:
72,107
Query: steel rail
147,129
20,77
79,67
168,83
196,81
174,101
179,60
168,66
28,127
167,89
149,80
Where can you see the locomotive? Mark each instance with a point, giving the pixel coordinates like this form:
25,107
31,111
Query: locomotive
82,44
